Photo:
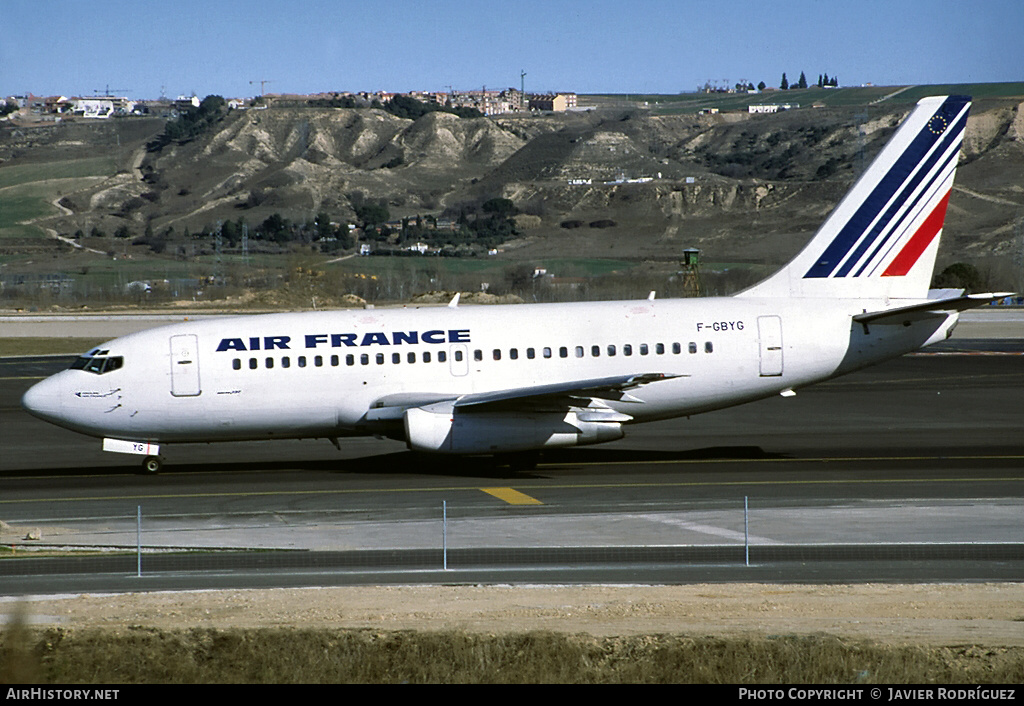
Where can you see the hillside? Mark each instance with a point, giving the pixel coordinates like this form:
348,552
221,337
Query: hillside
743,188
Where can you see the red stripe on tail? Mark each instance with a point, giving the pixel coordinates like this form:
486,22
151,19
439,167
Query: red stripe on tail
921,239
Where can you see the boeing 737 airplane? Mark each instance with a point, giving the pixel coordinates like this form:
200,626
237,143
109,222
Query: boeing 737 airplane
505,380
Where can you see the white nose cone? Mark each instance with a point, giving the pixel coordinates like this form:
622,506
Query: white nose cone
43,400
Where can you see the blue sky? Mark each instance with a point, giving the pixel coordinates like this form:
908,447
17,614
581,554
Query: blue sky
143,48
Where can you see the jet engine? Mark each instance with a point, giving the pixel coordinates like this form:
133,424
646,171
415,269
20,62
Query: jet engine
440,429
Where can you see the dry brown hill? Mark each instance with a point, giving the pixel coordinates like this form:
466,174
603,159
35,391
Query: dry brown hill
742,188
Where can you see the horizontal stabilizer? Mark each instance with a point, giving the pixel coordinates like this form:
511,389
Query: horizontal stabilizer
928,310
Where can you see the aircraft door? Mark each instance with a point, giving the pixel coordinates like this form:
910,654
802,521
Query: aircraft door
769,333
185,366
458,359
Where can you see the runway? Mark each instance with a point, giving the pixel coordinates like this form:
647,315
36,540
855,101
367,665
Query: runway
912,470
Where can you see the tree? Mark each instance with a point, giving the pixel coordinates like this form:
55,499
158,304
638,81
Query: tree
761,86
231,232
372,214
323,226
961,275
785,82
193,122
499,206
802,83
275,228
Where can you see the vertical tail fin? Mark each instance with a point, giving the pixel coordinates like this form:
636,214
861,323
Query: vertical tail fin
882,238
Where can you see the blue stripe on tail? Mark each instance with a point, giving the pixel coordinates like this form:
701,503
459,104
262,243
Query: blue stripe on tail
937,129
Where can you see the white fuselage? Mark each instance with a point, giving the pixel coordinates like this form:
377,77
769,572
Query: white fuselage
320,374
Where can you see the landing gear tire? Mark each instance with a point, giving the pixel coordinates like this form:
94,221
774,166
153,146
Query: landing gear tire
152,464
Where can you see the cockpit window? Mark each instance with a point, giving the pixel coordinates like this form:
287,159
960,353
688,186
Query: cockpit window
97,364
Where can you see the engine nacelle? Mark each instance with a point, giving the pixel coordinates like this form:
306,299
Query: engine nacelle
439,429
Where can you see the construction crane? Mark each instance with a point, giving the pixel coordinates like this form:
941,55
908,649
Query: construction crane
262,83
108,91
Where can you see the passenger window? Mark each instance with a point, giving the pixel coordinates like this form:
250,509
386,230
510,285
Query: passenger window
693,347
236,364
286,362
380,359
396,358
497,354
302,361
364,359
253,364
478,354
411,358
579,351
270,362
627,349
318,361
611,350
677,348
643,349
709,347
426,356
563,352
530,353
659,348
335,361
513,353
458,356
350,359
547,352
595,351
442,356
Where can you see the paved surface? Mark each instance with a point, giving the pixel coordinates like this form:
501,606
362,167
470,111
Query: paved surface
913,470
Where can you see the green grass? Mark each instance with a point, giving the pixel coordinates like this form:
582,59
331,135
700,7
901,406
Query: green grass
72,169
23,203
31,200
26,190
975,90
379,266
47,346
836,97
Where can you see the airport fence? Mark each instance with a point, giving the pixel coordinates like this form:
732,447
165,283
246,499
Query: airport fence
688,538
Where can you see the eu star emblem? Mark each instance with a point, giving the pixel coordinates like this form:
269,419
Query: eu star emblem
937,125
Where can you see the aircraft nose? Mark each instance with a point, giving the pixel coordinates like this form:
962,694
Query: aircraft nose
43,400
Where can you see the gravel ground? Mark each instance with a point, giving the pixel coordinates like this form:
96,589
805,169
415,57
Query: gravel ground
922,614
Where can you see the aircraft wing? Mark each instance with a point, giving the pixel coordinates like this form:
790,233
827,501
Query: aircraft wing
615,388
929,309
562,395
